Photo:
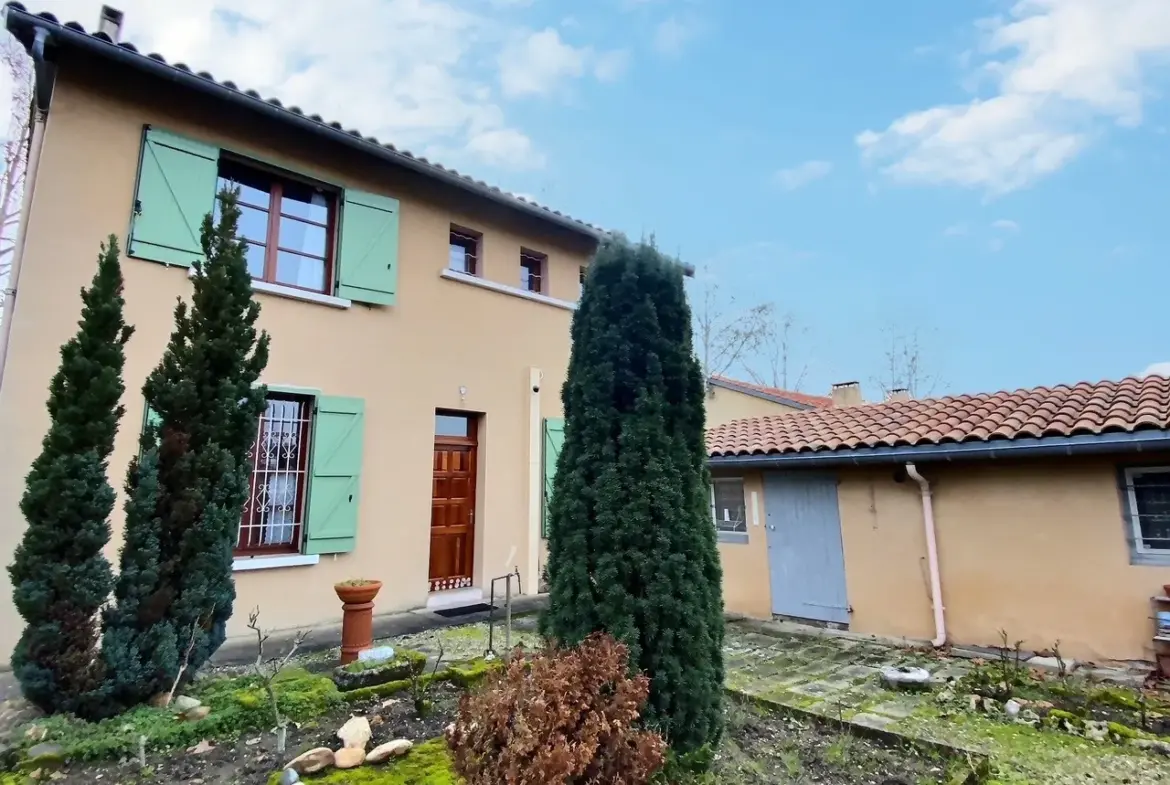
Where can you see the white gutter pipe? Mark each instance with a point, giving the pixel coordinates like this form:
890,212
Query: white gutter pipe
940,623
30,183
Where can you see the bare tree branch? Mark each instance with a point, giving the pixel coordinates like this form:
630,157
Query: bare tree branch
267,671
726,334
905,367
775,366
16,63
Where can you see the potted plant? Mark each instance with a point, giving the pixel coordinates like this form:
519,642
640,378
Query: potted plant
357,615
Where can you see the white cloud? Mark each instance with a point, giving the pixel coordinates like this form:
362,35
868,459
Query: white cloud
406,71
803,174
1005,225
1060,68
538,63
1157,369
955,230
672,34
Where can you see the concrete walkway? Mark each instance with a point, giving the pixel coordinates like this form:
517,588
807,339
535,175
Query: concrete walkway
836,677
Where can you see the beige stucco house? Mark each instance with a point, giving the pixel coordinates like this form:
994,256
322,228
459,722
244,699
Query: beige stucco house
732,399
419,322
1043,512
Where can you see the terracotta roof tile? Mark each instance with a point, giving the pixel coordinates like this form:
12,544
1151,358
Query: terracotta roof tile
815,401
1104,407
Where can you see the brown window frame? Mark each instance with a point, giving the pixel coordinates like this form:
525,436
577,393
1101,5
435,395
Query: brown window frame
252,523
463,237
277,180
526,258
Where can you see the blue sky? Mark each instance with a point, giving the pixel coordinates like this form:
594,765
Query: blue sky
991,175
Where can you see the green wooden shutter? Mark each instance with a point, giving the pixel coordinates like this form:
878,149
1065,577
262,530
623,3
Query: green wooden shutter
368,255
554,439
176,188
332,522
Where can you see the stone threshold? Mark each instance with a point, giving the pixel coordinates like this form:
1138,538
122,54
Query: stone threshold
242,651
875,727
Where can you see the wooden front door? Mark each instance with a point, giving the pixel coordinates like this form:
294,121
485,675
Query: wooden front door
453,503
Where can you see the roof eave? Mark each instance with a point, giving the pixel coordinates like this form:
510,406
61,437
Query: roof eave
1049,446
17,20
727,384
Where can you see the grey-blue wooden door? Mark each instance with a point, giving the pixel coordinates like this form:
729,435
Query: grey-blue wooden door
805,558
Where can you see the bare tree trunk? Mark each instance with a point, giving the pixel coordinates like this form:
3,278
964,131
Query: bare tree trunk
15,154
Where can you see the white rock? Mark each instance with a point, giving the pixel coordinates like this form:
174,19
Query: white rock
349,757
376,654
1051,664
391,749
184,703
355,733
1012,709
1096,731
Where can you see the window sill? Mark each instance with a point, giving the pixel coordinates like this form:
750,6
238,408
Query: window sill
514,291
293,293
1149,558
734,538
248,563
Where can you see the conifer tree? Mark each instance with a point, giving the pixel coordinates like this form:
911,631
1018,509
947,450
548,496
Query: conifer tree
186,492
59,575
632,548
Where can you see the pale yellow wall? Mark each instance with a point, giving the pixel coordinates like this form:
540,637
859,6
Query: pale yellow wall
1037,549
746,588
405,360
725,405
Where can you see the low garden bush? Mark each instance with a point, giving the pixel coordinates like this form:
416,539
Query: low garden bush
558,717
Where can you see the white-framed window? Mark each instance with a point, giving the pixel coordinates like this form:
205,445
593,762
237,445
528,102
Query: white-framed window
1148,495
729,509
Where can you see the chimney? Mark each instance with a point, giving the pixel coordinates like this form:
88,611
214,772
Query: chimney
110,23
847,394
898,394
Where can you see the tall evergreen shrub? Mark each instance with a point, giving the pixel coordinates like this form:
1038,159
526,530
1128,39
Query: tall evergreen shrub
186,492
632,548
59,576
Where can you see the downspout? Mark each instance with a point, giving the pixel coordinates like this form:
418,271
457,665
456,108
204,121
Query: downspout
41,92
940,623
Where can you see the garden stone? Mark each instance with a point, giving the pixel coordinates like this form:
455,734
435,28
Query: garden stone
1012,709
1051,665
377,654
184,703
289,777
313,761
349,757
391,749
196,714
355,733
45,750
1096,731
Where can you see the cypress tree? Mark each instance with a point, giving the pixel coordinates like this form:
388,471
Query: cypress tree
632,550
186,492
59,576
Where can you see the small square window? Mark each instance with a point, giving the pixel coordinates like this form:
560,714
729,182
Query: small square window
463,251
274,514
532,266
728,507
288,226
1149,508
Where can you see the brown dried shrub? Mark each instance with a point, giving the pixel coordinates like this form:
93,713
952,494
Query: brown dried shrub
558,717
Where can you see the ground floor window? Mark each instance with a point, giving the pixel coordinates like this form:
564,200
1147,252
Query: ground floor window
728,508
274,514
1148,491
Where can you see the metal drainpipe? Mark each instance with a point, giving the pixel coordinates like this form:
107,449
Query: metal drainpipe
940,622
40,116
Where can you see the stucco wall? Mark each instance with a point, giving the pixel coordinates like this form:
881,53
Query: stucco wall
724,405
405,360
1036,549
745,565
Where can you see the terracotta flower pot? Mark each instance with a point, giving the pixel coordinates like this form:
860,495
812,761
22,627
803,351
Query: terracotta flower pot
357,616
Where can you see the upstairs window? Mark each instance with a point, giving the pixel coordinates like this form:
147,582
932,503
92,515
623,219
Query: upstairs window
274,515
288,225
532,271
581,271
463,251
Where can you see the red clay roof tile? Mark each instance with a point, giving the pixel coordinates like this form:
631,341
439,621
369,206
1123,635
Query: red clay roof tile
1085,408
